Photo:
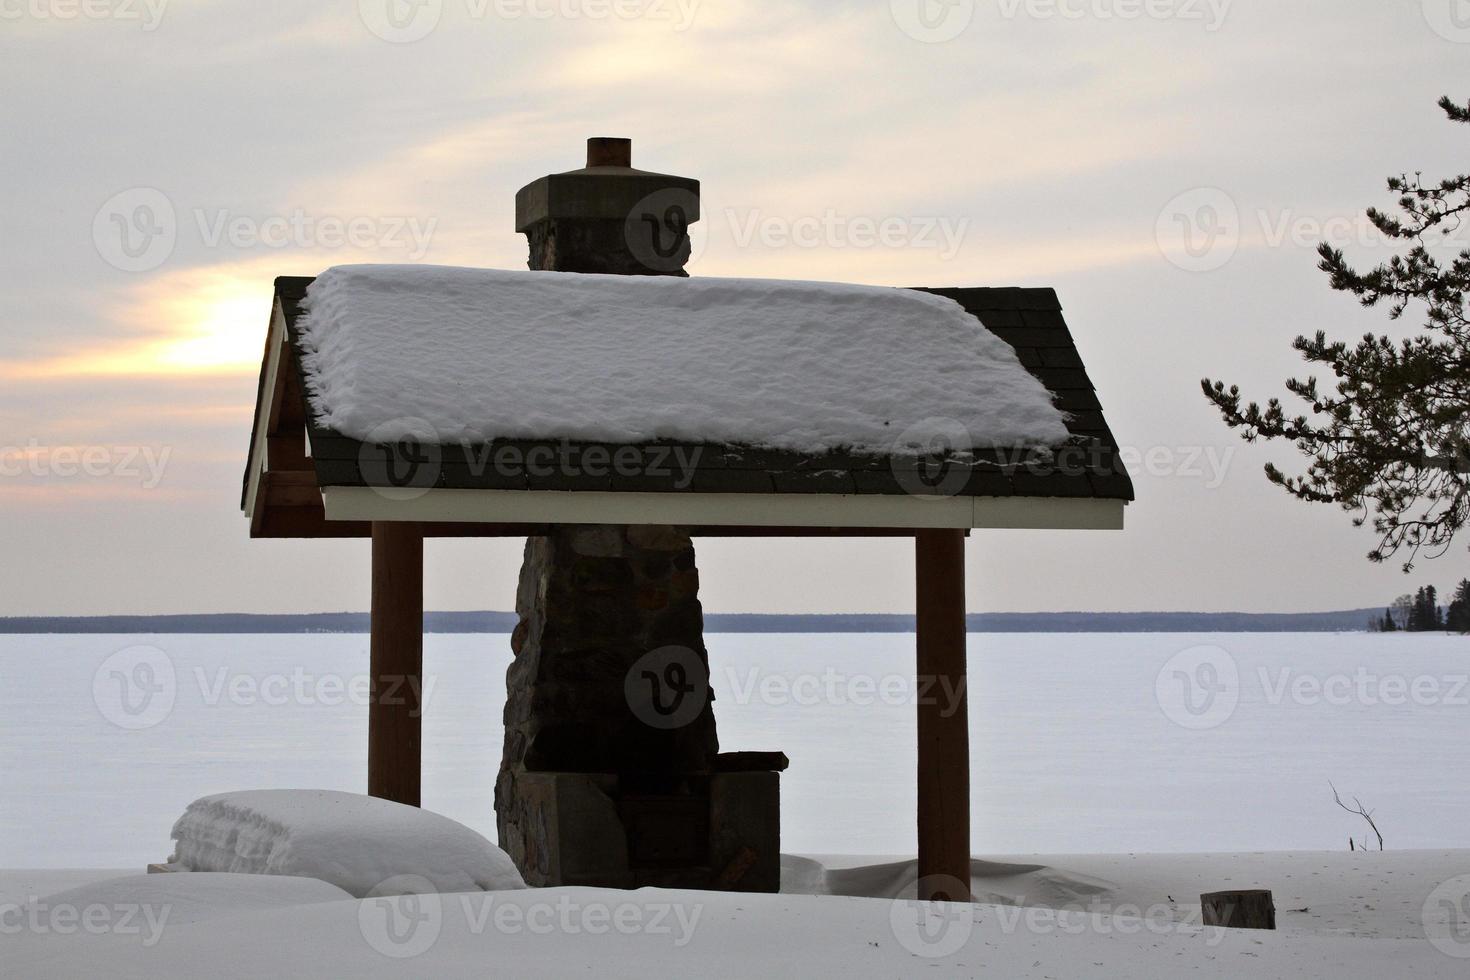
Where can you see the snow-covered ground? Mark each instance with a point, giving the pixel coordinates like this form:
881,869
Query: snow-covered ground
1341,917
1362,895
1097,744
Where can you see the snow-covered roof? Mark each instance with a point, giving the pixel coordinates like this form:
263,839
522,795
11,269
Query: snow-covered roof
476,355
499,399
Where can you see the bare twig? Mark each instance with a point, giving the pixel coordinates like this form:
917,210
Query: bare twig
1361,811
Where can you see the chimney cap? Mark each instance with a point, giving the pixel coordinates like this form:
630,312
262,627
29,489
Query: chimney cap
609,151
607,189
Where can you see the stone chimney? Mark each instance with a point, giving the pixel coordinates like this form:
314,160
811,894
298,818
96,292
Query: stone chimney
611,773
608,217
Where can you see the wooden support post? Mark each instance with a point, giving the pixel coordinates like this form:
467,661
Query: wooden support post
395,737
944,731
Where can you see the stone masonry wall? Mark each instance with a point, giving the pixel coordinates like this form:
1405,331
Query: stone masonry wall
605,248
602,608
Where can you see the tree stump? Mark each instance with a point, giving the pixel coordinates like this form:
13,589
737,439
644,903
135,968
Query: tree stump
1239,910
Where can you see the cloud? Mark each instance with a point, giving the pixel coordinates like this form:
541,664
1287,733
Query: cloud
188,322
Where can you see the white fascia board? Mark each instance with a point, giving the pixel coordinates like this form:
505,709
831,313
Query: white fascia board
276,344
719,509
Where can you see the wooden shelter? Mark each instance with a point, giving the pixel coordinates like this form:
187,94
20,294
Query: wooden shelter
305,480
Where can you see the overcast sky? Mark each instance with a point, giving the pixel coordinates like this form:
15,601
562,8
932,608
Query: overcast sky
1071,144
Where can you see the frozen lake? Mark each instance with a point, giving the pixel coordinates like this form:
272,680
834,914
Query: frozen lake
1080,743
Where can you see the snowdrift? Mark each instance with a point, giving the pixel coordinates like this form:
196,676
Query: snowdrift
363,845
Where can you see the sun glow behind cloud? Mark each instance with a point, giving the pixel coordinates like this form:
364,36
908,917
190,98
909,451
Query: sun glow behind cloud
197,322
223,331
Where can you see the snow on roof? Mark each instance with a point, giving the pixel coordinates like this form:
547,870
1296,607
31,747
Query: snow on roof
477,355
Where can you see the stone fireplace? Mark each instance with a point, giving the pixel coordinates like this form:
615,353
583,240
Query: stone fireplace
611,773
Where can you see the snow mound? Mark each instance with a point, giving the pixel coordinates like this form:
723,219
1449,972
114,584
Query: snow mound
991,882
360,844
179,899
475,355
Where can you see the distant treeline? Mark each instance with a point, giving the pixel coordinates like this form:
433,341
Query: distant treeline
1355,620
1422,613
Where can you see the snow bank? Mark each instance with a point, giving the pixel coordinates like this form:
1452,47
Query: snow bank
477,354
179,899
358,843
